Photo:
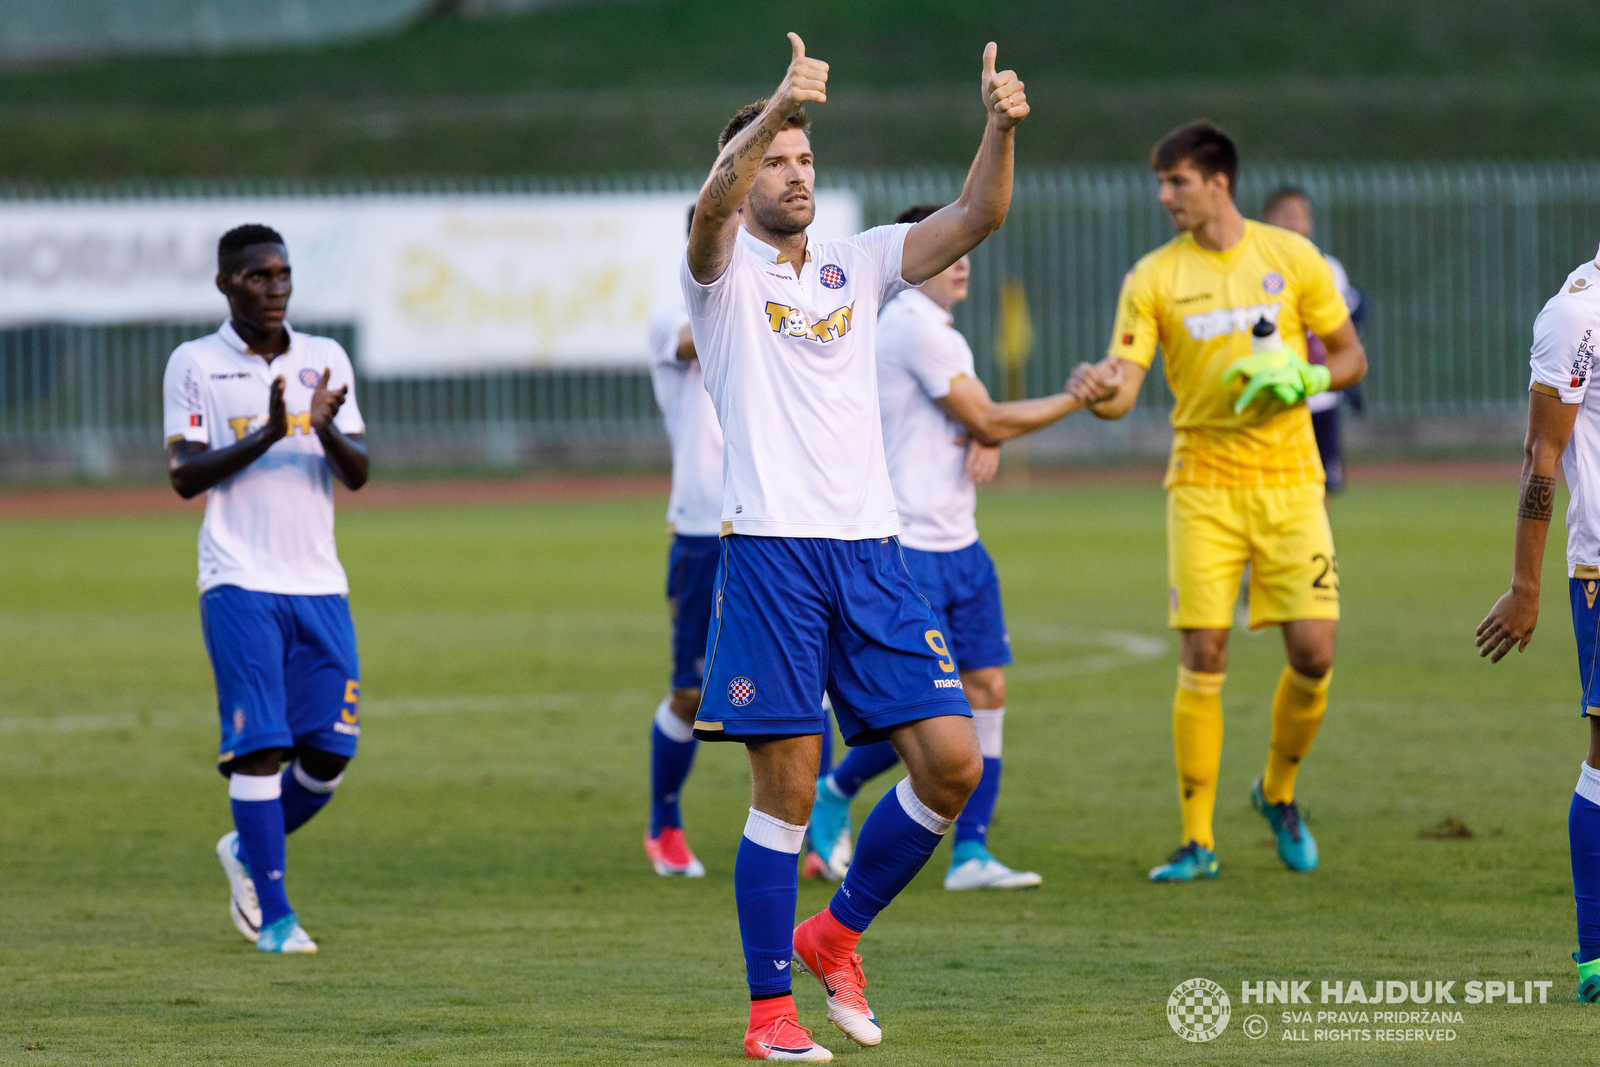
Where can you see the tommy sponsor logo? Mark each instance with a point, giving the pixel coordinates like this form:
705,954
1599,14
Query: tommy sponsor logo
741,691
1582,361
792,321
1209,325
833,276
245,425
310,378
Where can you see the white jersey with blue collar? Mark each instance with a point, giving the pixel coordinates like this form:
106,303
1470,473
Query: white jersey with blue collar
269,527
789,363
1562,363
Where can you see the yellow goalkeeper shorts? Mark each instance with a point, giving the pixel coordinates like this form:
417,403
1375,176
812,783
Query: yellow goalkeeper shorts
1284,536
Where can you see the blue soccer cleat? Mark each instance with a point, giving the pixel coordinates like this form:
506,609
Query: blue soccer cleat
830,830
1190,863
1296,847
1588,980
285,935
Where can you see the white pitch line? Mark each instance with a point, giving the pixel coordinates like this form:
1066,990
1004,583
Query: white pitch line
1128,649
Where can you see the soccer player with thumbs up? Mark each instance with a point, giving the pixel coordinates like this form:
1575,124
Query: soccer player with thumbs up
812,593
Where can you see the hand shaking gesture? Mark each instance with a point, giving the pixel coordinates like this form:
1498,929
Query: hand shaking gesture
806,81
1003,97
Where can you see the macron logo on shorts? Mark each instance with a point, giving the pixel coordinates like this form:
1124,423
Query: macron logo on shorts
947,683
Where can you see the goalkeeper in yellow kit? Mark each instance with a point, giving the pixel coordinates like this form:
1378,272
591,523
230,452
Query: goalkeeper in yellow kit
1245,484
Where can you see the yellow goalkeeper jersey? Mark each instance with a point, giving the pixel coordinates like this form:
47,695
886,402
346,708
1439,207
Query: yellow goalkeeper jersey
1199,307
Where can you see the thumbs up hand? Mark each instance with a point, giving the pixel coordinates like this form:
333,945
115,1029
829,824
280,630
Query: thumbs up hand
1003,97
806,81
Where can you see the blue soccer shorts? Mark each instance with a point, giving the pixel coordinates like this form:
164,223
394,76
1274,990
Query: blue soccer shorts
691,590
800,616
964,592
1585,593
286,669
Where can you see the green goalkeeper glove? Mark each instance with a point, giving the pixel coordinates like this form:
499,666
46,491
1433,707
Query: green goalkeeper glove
1292,382
1252,365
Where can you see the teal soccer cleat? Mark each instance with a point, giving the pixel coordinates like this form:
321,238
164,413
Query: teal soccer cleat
1190,863
1296,847
287,936
1588,980
830,830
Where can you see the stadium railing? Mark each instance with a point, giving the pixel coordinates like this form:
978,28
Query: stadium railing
1455,262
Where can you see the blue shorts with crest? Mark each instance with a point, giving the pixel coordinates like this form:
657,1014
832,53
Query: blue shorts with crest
1585,594
800,616
286,669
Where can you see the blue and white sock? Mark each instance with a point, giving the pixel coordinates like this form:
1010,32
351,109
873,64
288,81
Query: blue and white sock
672,748
258,816
1583,831
973,822
896,840
303,795
766,885
860,765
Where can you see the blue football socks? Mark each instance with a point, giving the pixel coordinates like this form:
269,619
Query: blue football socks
766,885
896,840
1583,831
258,816
973,822
862,764
672,748
303,796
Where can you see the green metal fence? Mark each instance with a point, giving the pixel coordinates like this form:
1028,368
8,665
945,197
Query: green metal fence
1455,262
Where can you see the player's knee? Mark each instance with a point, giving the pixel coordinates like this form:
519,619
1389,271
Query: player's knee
985,688
1312,662
322,766
685,704
961,773
260,763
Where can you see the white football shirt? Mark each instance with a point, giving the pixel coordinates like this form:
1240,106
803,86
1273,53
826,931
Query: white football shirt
789,363
269,527
695,507
1329,399
919,354
1562,358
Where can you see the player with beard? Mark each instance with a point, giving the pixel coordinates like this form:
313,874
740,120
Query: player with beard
812,594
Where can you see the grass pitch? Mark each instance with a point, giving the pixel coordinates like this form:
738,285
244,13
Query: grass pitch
479,891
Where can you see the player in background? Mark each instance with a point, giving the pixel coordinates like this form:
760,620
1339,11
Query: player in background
694,519
942,436
1245,485
1289,208
812,595
1564,427
262,419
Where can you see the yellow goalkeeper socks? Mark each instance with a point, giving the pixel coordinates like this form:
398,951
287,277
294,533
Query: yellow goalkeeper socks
1197,740
1297,709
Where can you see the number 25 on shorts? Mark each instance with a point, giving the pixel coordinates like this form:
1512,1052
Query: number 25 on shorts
1327,572
935,641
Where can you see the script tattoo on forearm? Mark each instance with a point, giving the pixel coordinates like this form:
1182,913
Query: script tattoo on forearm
1538,498
726,176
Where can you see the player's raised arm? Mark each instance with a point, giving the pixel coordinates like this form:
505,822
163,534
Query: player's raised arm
953,231
711,235
1510,623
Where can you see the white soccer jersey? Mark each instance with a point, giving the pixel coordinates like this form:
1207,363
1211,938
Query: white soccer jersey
269,527
1564,339
919,354
789,364
695,507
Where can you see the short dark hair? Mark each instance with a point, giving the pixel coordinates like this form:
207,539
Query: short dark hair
1282,193
750,112
918,212
1202,143
239,238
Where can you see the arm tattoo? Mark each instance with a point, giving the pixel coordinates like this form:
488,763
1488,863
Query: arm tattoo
1537,501
726,176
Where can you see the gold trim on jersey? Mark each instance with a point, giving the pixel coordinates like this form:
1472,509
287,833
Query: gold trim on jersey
1547,390
707,727
1586,572
727,529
